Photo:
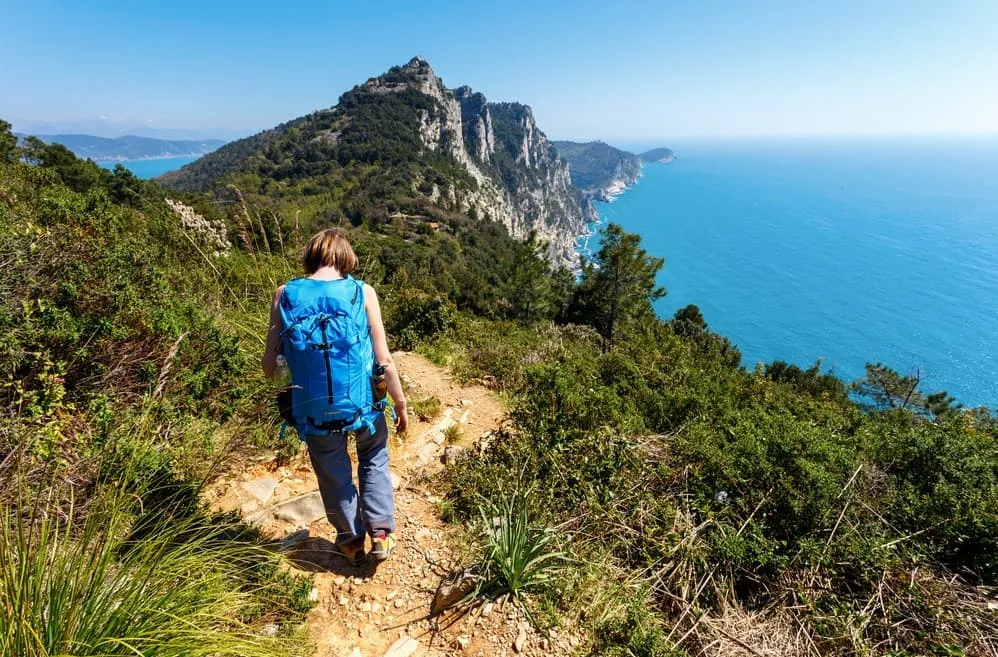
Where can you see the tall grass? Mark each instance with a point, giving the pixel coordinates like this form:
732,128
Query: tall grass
78,584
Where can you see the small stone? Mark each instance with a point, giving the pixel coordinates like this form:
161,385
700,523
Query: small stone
355,653
396,481
301,510
261,489
451,454
294,538
365,607
404,647
545,645
466,402
270,629
249,507
463,641
391,595
520,642
340,580
343,601
453,589
313,595
376,608
399,602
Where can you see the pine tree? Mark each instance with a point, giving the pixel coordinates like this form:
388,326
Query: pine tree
617,289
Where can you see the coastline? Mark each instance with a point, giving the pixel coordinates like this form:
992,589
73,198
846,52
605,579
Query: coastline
149,157
608,194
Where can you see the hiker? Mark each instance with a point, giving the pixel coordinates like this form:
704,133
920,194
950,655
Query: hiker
328,327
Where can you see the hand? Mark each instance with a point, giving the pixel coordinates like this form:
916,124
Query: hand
401,419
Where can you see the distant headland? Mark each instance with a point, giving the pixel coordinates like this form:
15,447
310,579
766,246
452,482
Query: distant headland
603,172
130,147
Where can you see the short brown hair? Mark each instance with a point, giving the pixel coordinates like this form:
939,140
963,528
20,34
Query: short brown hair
329,248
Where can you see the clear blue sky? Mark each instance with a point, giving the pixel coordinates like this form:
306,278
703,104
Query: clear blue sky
632,70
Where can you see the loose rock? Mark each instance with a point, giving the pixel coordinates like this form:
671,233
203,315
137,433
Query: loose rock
454,589
451,454
520,642
404,647
301,510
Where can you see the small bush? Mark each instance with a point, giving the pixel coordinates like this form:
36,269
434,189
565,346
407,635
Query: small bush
426,408
452,434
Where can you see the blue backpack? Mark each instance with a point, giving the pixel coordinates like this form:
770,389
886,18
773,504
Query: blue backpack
327,343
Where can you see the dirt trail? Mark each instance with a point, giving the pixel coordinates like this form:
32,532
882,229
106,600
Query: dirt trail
374,612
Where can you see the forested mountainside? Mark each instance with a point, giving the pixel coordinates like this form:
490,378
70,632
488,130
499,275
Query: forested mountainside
129,147
598,169
648,487
404,147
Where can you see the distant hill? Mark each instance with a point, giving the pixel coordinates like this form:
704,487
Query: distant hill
403,147
663,155
598,169
130,147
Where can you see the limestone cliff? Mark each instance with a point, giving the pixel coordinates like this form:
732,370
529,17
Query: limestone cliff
519,179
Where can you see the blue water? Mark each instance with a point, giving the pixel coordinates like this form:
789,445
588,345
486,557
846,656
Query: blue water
151,168
850,252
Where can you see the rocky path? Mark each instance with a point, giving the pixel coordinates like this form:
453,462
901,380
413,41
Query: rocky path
384,611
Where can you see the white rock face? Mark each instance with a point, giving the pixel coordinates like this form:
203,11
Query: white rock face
462,124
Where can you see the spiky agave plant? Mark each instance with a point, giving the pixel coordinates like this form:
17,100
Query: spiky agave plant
519,557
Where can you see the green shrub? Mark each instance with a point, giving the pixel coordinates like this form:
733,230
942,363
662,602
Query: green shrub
426,408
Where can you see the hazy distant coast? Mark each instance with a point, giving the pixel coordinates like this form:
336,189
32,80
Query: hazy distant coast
130,148
165,156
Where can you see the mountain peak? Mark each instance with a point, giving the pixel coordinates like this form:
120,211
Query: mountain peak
418,62
416,74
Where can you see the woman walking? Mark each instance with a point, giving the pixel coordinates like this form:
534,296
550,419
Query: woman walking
328,326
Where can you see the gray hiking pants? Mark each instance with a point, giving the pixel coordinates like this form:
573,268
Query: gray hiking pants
376,508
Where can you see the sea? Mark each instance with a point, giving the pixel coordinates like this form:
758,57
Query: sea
843,251
150,168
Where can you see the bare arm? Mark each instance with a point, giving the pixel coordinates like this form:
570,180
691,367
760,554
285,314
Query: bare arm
273,336
384,357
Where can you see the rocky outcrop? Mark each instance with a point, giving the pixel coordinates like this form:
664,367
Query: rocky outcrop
520,180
